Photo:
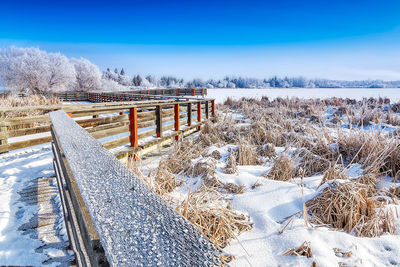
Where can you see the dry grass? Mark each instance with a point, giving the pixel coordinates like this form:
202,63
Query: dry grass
282,170
303,250
231,166
347,206
310,163
208,211
10,101
246,153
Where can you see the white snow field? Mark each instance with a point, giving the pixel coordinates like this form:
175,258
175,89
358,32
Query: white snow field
32,231
268,205
355,93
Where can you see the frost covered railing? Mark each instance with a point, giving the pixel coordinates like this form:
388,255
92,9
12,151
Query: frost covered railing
113,217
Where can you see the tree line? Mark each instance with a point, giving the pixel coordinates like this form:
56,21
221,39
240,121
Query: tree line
35,70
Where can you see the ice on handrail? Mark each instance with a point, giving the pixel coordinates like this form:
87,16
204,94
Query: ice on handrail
136,227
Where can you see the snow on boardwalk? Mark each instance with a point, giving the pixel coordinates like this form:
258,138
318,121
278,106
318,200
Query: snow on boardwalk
32,228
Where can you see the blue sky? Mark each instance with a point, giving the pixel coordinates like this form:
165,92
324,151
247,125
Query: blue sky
201,39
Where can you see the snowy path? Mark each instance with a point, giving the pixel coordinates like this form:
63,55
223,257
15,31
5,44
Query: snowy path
32,230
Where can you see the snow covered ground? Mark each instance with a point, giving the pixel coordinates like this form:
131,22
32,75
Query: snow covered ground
355,93
32,230
269,205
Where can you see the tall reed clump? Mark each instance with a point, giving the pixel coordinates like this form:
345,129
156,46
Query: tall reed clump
210,212
283,169
348,206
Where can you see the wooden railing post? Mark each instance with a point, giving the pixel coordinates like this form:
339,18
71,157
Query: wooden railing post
176,118
178,92
199,114
159,121
213,108
193,93
3,137
189,114
163,91
202,92
207,110
133,127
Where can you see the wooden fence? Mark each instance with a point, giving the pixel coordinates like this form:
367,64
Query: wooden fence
155,120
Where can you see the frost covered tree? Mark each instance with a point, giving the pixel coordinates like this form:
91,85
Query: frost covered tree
137,80
34,70
122,72
88,75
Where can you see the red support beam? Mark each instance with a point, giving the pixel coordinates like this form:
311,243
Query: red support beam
192,92
163,91
213,108
202,92
178,92
76,96
176,118
133,129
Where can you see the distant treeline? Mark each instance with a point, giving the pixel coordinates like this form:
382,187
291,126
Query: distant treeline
240,82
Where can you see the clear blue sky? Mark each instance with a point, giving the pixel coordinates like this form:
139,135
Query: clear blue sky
329,39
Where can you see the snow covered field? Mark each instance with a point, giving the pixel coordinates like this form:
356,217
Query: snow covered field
32,231
269,205
355,93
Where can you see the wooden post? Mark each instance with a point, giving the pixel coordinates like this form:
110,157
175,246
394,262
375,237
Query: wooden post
202,92
163,91
207,112
133,138
192,92
199,114
176,118
213,108
4,139
178,92
159,121
189,114
55,94
76,96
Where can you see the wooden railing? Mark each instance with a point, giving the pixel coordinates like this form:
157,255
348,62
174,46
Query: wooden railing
112,217
155,120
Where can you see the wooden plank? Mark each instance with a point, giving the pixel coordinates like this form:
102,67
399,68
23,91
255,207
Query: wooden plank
28,143
115,143
28,131
30,119
109,132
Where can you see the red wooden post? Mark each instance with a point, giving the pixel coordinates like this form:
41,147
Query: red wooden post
198,114
213,108
178,91
55,94
192,92
133,138
176,117
120,98
148,92
113,98
163,91
76,96
202,92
